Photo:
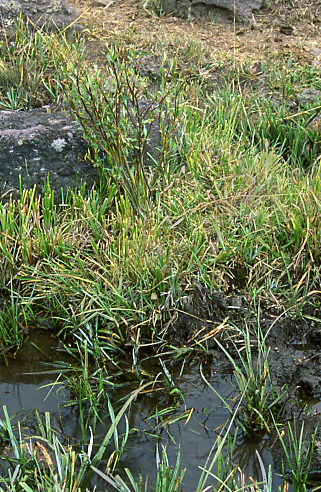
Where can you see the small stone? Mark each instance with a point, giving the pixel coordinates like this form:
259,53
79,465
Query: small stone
309,95
287,30
235,302
315,124
316,63
101,3
256,67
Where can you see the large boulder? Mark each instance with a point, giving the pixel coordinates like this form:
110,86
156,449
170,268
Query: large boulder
54,13
196,9
39,143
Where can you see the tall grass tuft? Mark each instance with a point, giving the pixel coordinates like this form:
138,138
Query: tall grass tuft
261,405
31,66
298,451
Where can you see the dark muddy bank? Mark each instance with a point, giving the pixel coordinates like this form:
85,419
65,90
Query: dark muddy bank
294,357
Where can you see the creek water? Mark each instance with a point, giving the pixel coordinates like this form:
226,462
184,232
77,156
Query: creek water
26,384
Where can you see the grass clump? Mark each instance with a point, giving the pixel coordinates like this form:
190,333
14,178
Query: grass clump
262,404
298,455
221,195
31,63
228,209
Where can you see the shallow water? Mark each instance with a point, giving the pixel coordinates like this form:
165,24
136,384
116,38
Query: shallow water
195,438
22,377
26,383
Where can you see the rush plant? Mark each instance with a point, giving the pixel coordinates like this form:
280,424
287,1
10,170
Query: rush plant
118,115
298,450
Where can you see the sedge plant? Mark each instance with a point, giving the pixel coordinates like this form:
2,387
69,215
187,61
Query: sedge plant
298,451
253,380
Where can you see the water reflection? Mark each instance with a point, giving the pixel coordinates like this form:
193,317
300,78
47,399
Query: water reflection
24,385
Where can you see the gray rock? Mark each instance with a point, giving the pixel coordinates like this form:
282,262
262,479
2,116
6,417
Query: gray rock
309,95
150,111
54,13
39,143
196,9
47,142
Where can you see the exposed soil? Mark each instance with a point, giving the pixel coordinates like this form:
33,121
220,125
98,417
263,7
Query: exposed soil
295,345
289,28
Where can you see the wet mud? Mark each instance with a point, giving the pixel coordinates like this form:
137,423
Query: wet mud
294,357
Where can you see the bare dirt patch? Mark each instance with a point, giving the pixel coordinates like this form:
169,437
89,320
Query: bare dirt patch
290,28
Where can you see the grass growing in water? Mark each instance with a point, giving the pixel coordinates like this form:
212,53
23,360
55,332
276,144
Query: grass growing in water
59,466
261,405
298,455
43,463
